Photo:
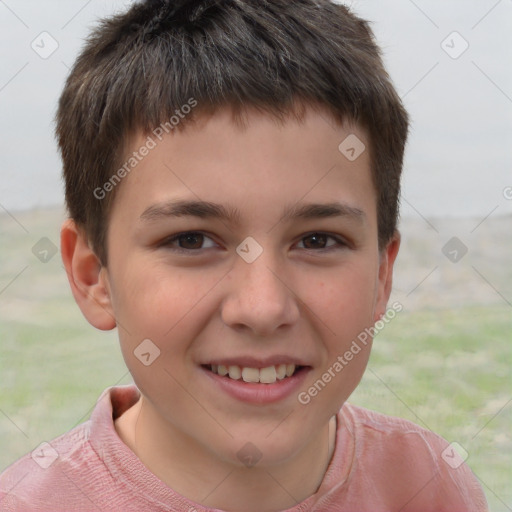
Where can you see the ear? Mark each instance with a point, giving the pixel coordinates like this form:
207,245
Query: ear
87,277
385,279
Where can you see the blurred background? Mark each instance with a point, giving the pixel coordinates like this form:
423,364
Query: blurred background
444,362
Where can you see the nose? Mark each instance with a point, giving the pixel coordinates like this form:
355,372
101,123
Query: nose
259,299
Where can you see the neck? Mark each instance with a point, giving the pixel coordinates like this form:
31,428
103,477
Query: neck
194,471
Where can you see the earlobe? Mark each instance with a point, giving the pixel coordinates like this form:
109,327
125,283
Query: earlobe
87,278
385,280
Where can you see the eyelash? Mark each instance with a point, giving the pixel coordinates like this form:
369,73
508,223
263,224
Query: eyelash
340,243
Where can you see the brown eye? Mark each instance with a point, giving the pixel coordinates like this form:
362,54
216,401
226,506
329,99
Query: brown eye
191,240
315,241
320,241
188,242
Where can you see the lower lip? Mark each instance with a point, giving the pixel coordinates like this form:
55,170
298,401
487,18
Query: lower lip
257,393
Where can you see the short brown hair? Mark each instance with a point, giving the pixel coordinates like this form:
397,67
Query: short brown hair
139,67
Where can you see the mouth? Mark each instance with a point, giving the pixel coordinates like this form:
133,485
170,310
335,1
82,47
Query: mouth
256,382
267,375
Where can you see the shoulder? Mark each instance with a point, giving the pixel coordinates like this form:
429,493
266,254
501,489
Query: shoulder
372,424
77,470
33,480
414,461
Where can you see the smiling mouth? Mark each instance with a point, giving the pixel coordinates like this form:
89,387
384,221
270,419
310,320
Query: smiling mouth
267,375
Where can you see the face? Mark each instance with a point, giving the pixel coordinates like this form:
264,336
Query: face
241,250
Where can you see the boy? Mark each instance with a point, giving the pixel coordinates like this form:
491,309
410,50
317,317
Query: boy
232,177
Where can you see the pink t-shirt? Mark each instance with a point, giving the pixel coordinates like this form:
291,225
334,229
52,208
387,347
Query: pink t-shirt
380,463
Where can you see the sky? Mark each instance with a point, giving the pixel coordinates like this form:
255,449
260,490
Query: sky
449,60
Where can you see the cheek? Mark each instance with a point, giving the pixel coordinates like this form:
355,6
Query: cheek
346,306
343,299
159,313
153,296
166,305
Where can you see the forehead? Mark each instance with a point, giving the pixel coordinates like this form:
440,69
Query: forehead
260,165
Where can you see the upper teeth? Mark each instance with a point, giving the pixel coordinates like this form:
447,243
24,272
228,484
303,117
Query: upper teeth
266,375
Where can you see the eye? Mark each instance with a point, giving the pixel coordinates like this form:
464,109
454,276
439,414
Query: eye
189,241
320,241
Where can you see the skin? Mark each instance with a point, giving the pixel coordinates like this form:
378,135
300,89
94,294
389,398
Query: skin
298,298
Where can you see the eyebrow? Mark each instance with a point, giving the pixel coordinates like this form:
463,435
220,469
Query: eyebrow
201,209
323,210
205,209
